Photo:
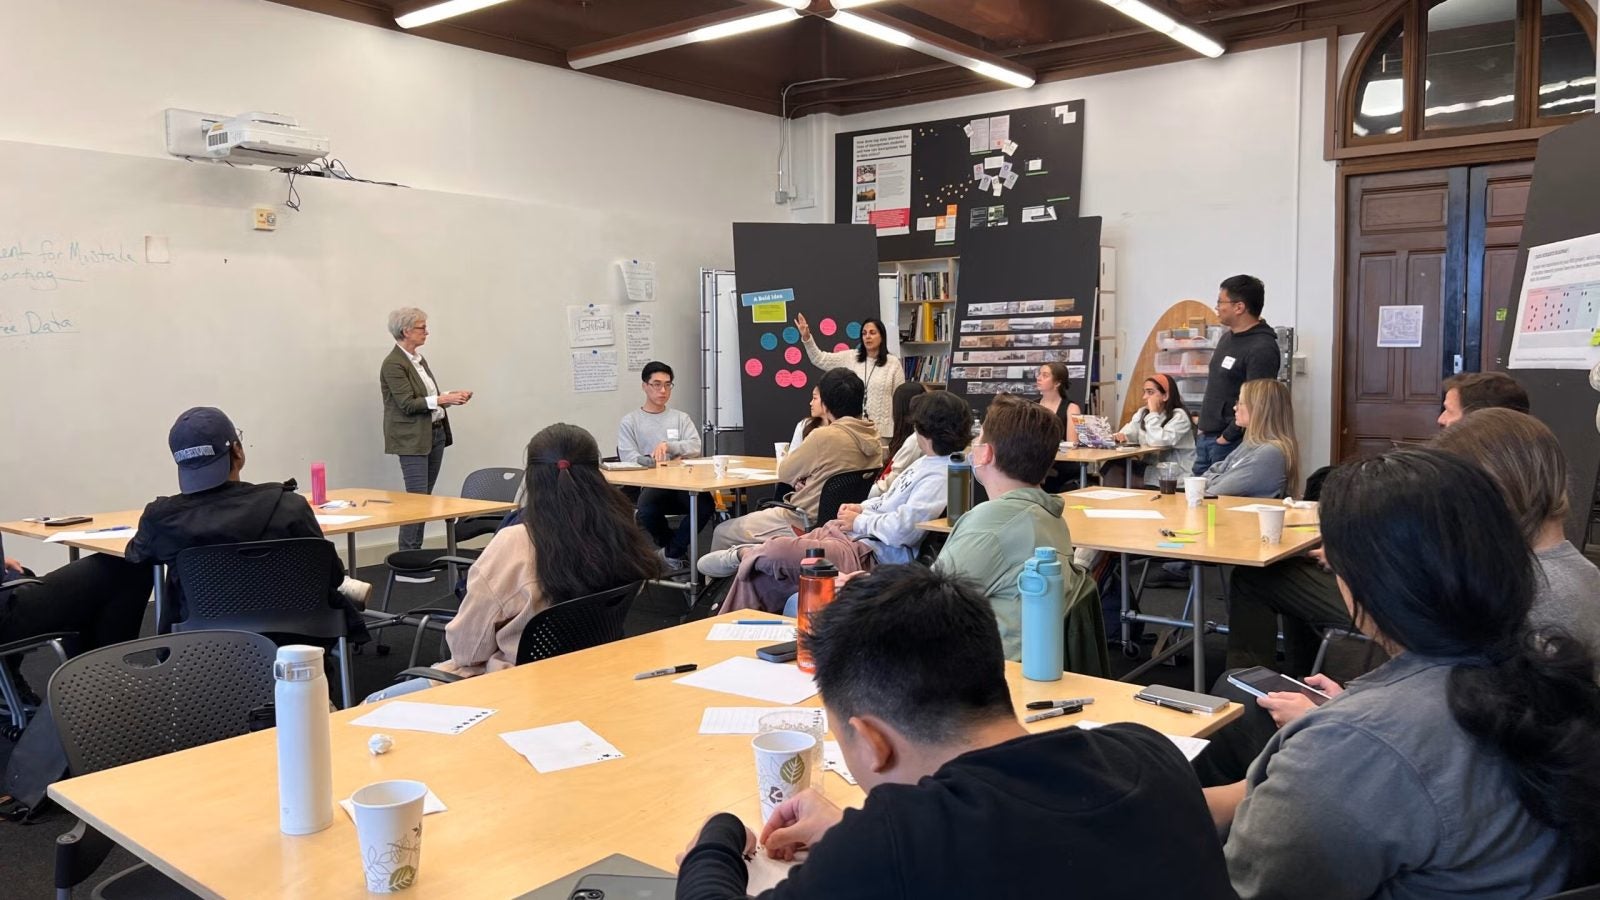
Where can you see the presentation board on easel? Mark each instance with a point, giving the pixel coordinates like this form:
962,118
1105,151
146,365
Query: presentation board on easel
1026,298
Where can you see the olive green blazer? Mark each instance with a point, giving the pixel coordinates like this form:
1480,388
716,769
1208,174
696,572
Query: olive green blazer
407,420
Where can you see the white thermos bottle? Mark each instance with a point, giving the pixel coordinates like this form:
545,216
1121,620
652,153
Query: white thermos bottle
305,760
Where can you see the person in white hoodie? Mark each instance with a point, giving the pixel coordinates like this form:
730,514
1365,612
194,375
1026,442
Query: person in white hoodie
883,530
1162,422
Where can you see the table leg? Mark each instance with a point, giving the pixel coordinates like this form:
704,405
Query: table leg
450,550
72,554
1083,475
1198,617
350,551
163,615
694,544
1127,601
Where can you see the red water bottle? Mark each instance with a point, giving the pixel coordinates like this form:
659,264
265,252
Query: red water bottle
816,591
319,484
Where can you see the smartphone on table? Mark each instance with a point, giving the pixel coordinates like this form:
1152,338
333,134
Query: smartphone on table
1261,681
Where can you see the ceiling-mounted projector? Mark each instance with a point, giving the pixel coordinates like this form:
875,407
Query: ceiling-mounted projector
258,138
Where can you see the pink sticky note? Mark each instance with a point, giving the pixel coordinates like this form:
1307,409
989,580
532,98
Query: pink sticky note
792,356
752,367
828,327
782,377
797,378
840,347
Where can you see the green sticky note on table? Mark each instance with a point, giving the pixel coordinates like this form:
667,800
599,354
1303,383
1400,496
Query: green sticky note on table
1080,507
1304,527
1188,531
1180,541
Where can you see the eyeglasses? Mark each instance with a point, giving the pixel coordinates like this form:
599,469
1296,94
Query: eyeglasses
660,385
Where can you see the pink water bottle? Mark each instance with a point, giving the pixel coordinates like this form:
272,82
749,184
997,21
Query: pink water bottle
319,484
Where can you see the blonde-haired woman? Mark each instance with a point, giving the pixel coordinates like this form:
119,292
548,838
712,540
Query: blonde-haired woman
1267,464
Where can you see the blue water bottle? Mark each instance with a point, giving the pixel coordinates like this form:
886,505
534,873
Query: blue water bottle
1044,610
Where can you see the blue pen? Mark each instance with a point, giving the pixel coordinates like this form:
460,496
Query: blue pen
114,528
755,622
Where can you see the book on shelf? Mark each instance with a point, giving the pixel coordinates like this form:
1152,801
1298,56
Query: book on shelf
934,367
916,287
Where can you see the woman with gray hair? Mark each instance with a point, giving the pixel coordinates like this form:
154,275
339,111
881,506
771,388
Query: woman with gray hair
415,427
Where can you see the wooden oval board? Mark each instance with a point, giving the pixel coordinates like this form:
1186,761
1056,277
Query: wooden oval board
1176,317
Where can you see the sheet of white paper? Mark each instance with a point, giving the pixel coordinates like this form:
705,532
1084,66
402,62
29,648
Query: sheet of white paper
564,746
1558,307
638,279
435,718
93,535
640,338
1190,746
772,634
1011,180
926,223
1108,494
704,461
833,760
986,182
430,804
1122,514
1035,165
752,473
977,135
1038,214
999,132
765,872
1010,147
998,187
747,719
993,163
594,370
339,520
590,325
1400,326
157,251
622,466
746,677
1255,507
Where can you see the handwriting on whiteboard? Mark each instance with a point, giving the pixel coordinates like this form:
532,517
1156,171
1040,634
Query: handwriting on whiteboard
36,324
47,264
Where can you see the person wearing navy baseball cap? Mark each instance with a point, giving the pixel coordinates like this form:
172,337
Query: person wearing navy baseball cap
215,506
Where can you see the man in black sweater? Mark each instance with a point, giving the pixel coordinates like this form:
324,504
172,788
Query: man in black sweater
962,802
1248,350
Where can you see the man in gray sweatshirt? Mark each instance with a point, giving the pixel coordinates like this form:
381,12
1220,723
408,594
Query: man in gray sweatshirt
654,434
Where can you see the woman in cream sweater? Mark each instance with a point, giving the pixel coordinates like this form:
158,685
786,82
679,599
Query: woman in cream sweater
877,368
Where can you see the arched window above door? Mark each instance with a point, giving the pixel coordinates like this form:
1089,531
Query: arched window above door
1447,68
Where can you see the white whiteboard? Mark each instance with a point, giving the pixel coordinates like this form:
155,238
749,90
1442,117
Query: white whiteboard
286,330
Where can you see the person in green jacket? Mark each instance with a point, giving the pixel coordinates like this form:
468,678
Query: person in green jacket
1011,458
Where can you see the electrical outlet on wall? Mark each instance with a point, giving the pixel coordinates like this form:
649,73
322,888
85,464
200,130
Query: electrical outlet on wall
266,219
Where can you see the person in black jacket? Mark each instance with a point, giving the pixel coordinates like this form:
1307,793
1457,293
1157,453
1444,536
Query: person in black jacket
962,802
215,507
1247,350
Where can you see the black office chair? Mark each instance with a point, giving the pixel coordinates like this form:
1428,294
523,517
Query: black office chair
498,484
576,624
141,699
845,487
266,587
1592,892
18,707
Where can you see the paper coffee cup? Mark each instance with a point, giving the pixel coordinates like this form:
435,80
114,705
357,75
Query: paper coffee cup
389,833
1272,524
1194,490
719,464
783,767
780,450
805,721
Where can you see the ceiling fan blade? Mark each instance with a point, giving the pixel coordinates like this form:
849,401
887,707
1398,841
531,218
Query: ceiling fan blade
689,31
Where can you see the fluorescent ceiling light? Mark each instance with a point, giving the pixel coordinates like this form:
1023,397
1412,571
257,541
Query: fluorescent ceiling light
1156,20
888,34
695,36
836,4
428,15
741,26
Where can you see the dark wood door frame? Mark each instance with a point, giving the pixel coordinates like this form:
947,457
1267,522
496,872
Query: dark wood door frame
1522,151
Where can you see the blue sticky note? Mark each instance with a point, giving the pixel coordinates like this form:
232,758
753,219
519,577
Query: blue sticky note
757,298
853,330
769,341
791,335
1170,545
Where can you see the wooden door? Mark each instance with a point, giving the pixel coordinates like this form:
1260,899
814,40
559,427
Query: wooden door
1404,246
1497,200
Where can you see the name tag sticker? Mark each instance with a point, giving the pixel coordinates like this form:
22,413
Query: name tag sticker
1227,362
672,434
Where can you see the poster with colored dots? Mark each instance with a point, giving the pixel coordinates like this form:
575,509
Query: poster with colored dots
1558,314
777,266
1006,169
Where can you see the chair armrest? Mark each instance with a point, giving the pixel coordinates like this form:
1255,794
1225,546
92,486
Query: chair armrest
463,561
430,673
432,612
19,582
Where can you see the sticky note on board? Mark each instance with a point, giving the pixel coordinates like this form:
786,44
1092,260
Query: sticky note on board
1594,339
769,312
1010,147
1500,314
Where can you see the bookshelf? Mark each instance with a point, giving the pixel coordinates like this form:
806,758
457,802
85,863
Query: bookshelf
924,292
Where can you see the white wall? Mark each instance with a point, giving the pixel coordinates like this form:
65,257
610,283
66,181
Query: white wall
1202,170
97,74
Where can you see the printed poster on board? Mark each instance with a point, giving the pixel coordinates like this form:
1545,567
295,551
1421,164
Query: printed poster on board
882,185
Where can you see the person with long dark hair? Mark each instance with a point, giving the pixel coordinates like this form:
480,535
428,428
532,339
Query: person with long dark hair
1466,764
1161,422
1054,382
879,370
903,447
577,537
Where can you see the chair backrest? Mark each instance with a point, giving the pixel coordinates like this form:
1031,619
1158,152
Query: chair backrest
157,695
496,483
577,624
279,587
845,487
1592,892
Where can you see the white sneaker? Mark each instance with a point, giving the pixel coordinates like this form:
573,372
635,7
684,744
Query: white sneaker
720,563
672,563
355,591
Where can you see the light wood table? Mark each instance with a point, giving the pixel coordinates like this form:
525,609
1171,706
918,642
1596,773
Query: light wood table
1083,456
695,477
1234,541
378,509
509,828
